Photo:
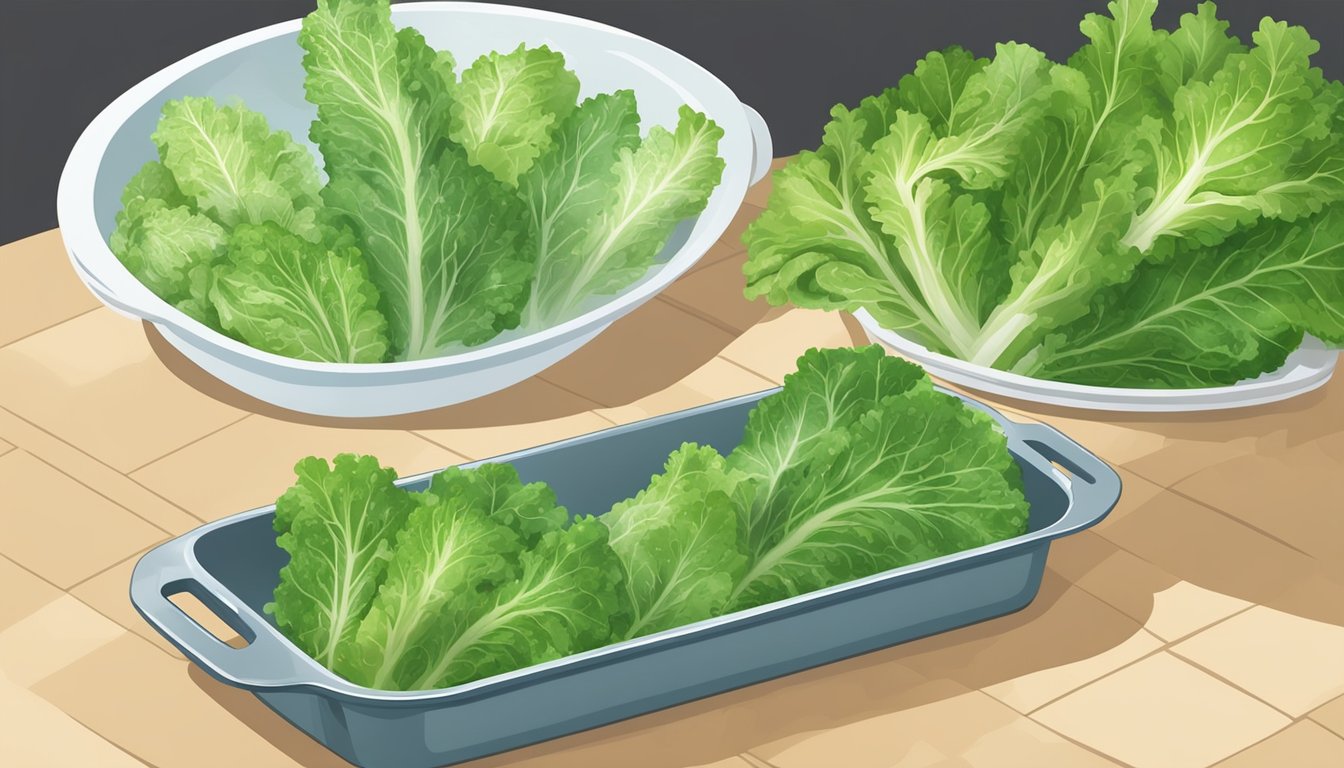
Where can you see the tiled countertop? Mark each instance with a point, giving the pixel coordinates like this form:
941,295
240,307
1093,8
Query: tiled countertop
1202,623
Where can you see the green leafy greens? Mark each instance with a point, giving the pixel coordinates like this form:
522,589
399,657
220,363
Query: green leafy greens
858,465
455,206
1100,222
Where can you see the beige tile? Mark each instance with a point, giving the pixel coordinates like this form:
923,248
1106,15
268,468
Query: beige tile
260,454
1161,711
488,442
1197,544
1165,605
39,288
92,532
970,729
97,475
715,293
1301,745
1036,689
109,594
55,636
1295,495
1293,663
21,592
5,447
1062,626
771,348
644,352
1184,608
168,713
1331,715
94,382
39,735
716,380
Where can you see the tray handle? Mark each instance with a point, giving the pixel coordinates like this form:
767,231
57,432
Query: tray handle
1093,485
265,662
763,147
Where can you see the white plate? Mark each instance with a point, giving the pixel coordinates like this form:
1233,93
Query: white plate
263,69
1307,368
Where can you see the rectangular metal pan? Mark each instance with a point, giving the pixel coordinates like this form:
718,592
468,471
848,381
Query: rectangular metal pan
233,565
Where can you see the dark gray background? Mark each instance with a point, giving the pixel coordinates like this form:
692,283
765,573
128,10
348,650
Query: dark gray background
61,61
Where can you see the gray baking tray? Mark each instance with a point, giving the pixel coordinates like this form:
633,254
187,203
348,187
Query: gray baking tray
232,566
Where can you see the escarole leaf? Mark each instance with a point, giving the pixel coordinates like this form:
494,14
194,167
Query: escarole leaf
666,179
450,550
235,168
1231,137
529,510
564,601
507,105
1215,315
340,523
310,301
830,391
567,188
677,541
888,494
440,234
161,245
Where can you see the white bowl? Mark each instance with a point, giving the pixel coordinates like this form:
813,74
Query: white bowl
1307,368
263,69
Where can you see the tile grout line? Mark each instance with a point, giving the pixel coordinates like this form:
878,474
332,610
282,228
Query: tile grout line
1071,691
39,576
105,465
1233,685
99,493
712,320
757,374
44,328
246,415
1236,519
754,761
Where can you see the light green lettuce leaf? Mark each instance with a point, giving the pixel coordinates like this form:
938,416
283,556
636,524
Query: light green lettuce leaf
507,105
161,245
341,522
235,168
439,234
566,600
311,301
568,187
450,550
665,180
1232,136
1194,51
677,540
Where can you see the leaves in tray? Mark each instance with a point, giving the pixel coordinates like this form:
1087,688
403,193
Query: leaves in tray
450,551
900,473
339,523
529,510
677,541
310,301
566,600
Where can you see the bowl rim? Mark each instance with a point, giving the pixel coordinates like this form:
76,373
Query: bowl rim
79,230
